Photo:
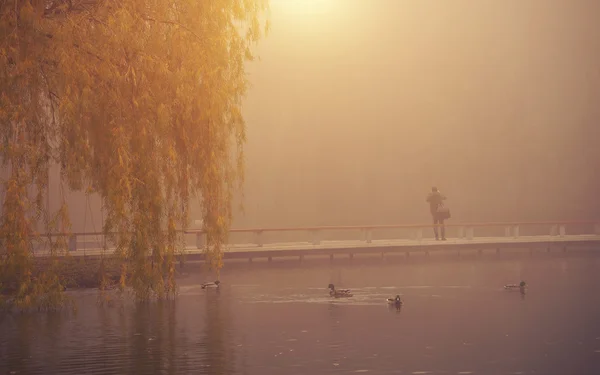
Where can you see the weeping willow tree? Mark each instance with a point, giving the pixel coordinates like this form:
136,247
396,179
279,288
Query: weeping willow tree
136,100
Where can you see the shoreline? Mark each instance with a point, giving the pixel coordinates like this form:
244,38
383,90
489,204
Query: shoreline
84,273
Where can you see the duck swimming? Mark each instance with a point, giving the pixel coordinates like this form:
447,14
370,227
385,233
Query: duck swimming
337,293
395,301
211,285
521,285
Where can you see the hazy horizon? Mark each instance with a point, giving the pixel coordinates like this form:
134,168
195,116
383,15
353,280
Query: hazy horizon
357,108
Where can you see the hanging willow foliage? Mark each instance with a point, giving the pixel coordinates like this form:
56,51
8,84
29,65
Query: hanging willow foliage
139,100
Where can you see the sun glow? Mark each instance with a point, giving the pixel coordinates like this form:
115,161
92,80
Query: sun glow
304,6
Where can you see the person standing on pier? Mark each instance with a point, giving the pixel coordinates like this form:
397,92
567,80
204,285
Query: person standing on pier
436,201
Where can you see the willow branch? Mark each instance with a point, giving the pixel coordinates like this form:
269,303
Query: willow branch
175,24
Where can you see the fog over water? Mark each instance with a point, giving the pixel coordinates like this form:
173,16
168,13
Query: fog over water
358,107
279,319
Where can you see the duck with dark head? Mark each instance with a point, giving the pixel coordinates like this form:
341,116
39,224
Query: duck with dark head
521,286
397,301
211,285
338,293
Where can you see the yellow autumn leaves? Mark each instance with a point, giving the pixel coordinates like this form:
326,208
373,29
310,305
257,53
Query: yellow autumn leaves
140,99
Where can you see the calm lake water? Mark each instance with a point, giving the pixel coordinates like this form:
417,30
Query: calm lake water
279,319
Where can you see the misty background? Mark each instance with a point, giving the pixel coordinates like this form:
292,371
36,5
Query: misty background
357,108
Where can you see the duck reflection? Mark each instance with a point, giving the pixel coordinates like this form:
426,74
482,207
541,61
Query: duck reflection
217,340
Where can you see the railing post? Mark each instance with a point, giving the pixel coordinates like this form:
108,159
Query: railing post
562,230
315,237
419,234
369,235
507,231
470,233
72,242
199,240
258,238
516,231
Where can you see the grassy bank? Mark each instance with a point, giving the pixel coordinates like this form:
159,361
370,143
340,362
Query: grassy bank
44,293
83,272
68,273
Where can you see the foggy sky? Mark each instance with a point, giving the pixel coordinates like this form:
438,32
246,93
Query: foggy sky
355,114
358,108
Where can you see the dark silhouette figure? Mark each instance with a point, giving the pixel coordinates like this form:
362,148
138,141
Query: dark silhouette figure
436,200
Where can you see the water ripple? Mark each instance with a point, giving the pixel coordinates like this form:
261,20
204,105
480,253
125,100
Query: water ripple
253,326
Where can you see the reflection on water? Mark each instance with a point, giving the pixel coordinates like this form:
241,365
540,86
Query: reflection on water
217,338
456,319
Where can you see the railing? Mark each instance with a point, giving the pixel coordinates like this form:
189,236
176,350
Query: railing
464,231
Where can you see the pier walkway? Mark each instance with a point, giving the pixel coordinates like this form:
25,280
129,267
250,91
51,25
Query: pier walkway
373,239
